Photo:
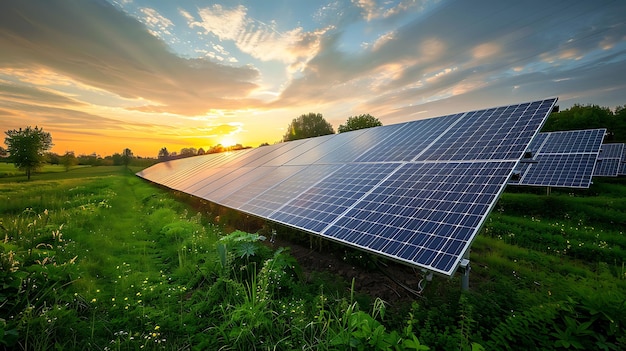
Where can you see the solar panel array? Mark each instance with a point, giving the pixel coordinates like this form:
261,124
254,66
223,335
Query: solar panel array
414,192
561,159
609,160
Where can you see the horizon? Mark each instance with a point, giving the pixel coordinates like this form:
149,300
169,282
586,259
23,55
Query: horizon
101,76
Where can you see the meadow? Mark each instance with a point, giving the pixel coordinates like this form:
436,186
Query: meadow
96,258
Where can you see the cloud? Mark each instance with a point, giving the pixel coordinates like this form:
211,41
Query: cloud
261,40
155,21
371,10
459,49
11,92
93,43
220,130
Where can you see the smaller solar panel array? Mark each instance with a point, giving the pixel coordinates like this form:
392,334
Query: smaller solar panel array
609,162
560,159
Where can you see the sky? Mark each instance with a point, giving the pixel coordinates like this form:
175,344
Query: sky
102,76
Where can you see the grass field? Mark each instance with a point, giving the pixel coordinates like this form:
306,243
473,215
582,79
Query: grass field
9,170
96,258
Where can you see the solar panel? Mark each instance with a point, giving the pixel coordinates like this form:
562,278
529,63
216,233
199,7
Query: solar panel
609,160
416,192
561,159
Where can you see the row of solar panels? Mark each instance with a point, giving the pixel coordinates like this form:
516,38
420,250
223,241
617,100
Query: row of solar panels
569,159
416,192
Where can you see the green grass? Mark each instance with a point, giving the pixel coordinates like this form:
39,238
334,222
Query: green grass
97,258
9,173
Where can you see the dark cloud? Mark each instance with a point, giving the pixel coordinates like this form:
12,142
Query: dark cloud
93,43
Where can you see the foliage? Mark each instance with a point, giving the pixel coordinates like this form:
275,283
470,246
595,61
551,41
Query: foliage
127,156
69,160
359,122
308,126
163,154
583,323
589,117
27,147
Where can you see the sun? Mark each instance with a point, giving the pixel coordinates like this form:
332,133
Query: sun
228,141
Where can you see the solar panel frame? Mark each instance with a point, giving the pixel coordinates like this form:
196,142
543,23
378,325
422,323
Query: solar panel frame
405,192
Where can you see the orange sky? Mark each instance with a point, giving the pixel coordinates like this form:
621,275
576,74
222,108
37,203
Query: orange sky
102,76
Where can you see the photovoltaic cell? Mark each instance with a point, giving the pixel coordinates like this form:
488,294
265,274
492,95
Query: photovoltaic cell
608,167
611,151
322,203
416,192
493,134
561,159
254,189
281,193
609,160
567,170
406,145
425,213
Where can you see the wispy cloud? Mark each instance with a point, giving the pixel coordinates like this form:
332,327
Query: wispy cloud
261,40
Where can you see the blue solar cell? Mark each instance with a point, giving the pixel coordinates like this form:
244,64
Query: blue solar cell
608,167
493,134
434,210
569,142
609,160
571,171
322,203
406,146
611,151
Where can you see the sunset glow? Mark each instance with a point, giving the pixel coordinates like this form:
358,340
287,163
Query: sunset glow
102,76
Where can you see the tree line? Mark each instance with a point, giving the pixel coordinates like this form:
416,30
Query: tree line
28,148
580,117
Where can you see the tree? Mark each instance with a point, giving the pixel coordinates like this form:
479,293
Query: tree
3,152
127,155
201,152
163,154
52,158
359,122
27,148
68,160
308,126
188,151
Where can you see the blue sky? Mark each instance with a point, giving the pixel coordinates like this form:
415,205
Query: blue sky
105,75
